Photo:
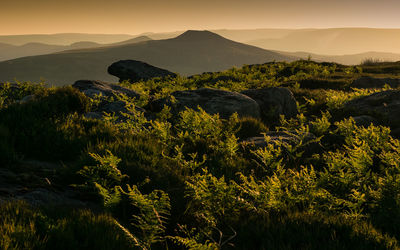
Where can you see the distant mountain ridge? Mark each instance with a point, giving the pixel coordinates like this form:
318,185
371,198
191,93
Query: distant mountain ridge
63,38
329,41
352,59
190,53
341,45
8,52
334,41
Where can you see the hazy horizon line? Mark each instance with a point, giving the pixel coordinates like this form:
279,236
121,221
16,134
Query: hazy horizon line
202,29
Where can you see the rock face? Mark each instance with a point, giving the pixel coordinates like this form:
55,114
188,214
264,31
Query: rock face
134,71
384,105
213,101
91,88
372,82
274,102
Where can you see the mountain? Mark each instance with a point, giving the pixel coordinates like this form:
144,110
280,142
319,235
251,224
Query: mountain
240,35
63,38
337,41
333,41
29,49
246,35
190,53
8,52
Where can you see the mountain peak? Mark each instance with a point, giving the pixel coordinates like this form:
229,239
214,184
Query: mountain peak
197,35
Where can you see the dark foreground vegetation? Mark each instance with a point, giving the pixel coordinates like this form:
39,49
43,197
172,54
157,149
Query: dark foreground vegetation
192,180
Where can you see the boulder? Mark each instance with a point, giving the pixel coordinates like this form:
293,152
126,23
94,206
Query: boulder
213,101
134,71
395,133
274,102
93,115
290,138
45,197
91,88
309,143
364,120
366,82
27,98
116,108
384,105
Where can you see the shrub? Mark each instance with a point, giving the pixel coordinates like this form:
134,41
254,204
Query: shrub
250,127
105,173
26,227
296,230
51,127
6,150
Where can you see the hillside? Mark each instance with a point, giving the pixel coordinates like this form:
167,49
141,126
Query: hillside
268,156
8,52
335,41
63,38
353,59
190,53
341,45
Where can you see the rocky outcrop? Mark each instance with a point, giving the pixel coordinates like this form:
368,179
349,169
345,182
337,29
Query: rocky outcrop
213,101
274,102
33,184
91,88
366,82
134,71
117,108
384,105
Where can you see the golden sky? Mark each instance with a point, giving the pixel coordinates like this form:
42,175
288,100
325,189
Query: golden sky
134,17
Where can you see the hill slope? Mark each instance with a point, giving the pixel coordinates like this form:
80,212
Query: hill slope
352,59
8,52
190,53
333,41
336,41
63,38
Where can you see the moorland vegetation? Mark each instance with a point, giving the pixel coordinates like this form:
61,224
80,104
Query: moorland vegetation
192,180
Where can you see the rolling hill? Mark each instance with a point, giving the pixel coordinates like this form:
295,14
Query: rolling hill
335,41
8,52
190,53
63,38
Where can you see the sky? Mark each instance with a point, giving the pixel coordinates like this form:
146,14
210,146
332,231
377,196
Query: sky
139,16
